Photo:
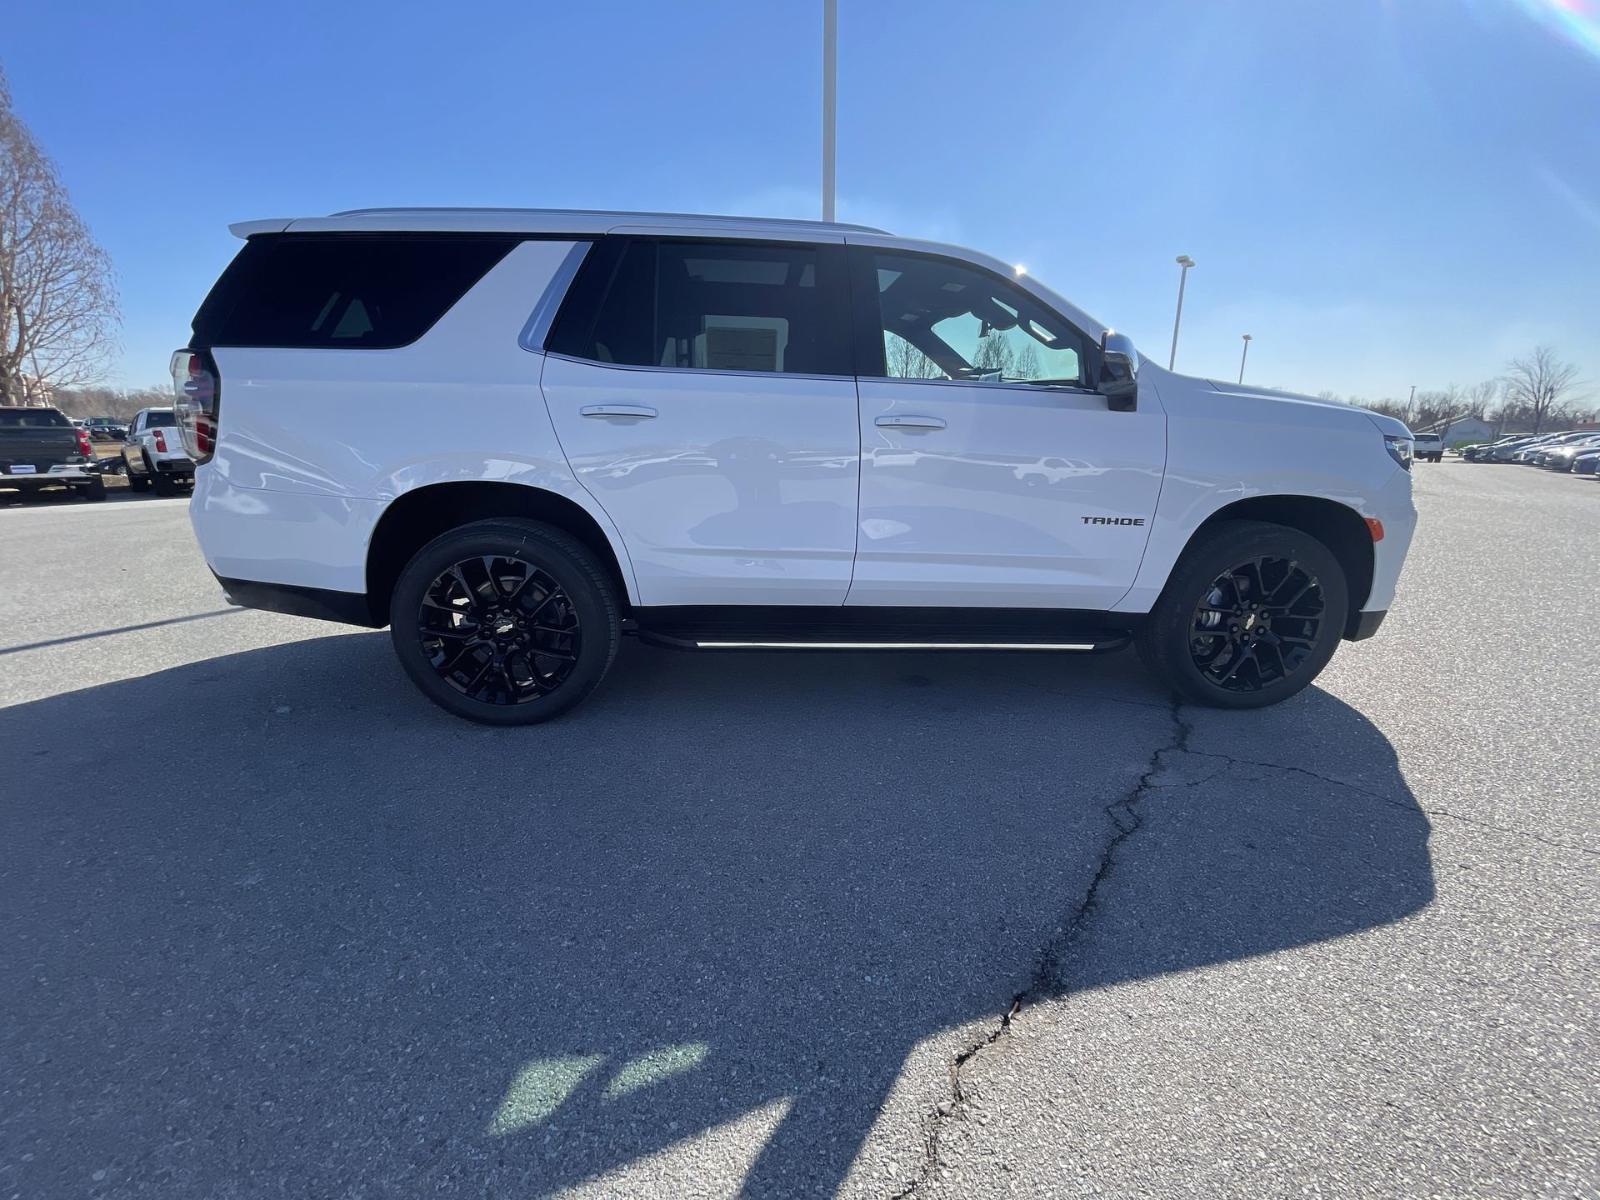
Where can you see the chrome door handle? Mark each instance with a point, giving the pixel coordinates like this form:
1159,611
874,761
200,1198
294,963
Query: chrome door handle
637,412
910,422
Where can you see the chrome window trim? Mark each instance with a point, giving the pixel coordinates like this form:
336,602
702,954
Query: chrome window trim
1030,388
592,362
1008,385
537,328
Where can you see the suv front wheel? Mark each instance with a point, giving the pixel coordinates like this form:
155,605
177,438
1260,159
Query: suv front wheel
505,622
1250,615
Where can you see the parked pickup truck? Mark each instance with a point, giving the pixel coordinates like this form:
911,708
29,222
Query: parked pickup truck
40,447
153,455
1429,447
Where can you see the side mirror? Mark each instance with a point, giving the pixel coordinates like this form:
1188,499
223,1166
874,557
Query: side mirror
1119,372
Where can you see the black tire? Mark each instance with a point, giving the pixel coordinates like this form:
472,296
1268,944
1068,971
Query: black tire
1225,614
136,481
95,489
165,485
525,671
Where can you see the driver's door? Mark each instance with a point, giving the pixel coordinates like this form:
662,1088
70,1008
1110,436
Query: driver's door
978,487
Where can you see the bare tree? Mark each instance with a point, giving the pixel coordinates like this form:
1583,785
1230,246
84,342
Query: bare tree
1387,406
120,403
1481,397
907,362
1539,385
1437,410
994,355
58,307
1027,363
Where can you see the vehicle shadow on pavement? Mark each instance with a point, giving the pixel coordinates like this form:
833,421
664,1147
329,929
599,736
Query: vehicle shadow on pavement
326,940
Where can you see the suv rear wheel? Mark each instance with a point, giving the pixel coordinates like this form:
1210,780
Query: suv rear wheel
1251,614
506,622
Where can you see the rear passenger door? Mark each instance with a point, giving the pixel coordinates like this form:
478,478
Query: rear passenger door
703,392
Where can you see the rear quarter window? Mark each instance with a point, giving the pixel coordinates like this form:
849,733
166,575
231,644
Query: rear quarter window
342,291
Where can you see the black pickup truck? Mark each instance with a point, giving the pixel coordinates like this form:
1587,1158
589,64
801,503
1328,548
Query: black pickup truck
40,448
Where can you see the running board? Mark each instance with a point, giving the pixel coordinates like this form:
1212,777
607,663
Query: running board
1101,645
873,628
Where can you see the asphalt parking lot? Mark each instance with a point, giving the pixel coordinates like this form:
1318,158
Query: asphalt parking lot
275,926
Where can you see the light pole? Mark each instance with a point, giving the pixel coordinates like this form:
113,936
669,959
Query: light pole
830,88
1247,340
1185,262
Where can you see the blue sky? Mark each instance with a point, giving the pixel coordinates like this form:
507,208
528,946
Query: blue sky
1382,192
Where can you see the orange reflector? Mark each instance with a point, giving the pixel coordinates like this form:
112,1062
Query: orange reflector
1375,528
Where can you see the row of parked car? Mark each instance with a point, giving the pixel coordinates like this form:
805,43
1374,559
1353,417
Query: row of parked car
103,429
44,448
1574,450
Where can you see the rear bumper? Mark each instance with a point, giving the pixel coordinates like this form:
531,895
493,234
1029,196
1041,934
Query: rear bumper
347,608
174,466
58,474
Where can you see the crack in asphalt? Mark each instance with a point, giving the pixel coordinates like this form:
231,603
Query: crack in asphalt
1125,821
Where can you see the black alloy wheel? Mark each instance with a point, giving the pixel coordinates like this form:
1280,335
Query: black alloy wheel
1250,614
1257,624
499,630
505,621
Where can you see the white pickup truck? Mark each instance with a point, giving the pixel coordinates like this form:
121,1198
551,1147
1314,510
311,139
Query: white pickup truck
1429,447
153,454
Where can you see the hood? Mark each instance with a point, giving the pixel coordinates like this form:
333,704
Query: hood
1388,425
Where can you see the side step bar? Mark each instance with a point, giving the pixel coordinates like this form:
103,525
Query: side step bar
872,628
1100,644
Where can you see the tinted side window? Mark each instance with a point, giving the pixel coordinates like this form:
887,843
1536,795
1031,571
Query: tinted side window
342,291
32,418
709,306
941,319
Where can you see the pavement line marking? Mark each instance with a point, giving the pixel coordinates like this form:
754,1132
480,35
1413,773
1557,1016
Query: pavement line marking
100,633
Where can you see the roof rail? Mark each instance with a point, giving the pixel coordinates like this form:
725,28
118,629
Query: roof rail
717,218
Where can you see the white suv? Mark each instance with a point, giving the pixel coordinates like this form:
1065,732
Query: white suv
513,436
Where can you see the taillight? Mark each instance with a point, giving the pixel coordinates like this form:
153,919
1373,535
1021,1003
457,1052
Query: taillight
197,389
161,440
83,443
